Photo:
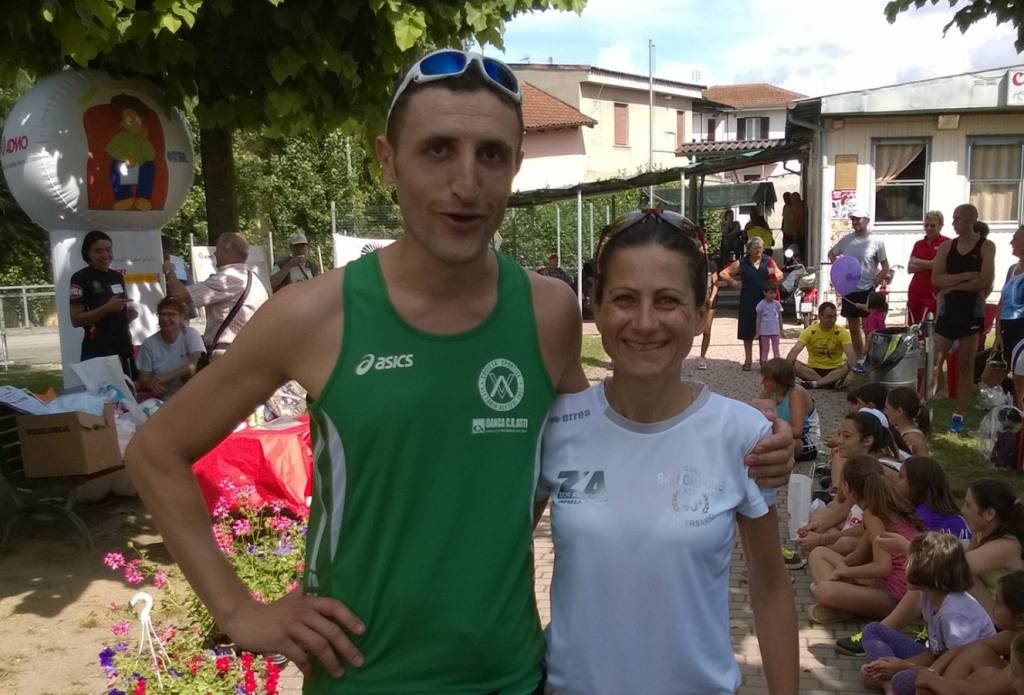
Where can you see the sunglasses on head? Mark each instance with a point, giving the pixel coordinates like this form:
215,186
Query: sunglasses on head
631,219
450,62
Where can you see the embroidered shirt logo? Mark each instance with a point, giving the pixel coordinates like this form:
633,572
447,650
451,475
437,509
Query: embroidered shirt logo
383,363
501,385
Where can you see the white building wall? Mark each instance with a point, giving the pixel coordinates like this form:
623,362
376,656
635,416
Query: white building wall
552,159
947,185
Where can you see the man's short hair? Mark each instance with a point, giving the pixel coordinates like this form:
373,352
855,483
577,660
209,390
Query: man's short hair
235,244
469,81
971,210
824,306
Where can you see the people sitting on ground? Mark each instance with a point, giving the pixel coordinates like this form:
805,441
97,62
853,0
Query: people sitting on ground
169,356
830,354
794,404
996,519
869,581
908,420
838,525
978,668
937,569
923,482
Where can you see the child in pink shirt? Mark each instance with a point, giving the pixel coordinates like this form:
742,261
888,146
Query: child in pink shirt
877,308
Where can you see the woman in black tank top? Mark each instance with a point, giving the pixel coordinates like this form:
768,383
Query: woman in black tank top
962,272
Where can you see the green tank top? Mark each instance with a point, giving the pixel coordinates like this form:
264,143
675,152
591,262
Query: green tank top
425,461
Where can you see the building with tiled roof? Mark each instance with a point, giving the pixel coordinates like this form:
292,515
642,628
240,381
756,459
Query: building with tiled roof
542,111
756,95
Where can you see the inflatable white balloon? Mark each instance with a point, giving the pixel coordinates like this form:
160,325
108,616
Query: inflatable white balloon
83,151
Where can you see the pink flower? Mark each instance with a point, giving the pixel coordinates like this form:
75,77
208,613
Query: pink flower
114,561
242,527
168,634
222,509
277,504
223,665
292,587
132,573
280,523
258,596
300,566
112,607
121,628
160,579
224,540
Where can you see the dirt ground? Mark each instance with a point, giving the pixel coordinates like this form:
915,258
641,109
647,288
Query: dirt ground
54,596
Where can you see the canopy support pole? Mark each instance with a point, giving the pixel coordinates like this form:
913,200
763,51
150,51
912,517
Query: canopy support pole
579,248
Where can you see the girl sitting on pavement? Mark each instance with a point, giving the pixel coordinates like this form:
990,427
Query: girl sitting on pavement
794,404
937,568
924,483
978,668
908,420
869,581
996,518
837,525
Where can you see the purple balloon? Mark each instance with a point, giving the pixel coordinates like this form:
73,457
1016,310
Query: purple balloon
845,274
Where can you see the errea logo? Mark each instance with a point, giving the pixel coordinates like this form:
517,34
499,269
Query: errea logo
383,363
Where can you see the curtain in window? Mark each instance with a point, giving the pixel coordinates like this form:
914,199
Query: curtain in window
891,160
995,199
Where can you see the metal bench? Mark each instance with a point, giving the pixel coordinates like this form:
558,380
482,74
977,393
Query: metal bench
38,500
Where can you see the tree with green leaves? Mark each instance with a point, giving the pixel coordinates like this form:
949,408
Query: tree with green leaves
971,12
271,65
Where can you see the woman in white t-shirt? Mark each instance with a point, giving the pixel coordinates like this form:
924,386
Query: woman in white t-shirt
647,483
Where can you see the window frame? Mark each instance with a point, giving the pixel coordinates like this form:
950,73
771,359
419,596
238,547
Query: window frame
997,140
710,126
925,183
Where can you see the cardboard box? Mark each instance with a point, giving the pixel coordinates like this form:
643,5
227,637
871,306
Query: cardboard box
68,443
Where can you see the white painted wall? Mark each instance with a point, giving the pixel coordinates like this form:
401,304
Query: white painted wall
552,159
947,185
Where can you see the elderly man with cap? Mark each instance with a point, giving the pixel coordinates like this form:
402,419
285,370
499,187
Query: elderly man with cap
869,251
297,267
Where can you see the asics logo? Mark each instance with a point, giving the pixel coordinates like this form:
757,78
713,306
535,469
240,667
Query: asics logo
383,363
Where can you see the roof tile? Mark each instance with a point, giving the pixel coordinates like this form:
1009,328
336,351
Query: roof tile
542,111
748,96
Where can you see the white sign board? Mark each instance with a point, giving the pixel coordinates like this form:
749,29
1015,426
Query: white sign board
204,265
349,248
1015,87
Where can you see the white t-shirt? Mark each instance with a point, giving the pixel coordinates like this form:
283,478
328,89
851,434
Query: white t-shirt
158,356
869,250
643,520
770,314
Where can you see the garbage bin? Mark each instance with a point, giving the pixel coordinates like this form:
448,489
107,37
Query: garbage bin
893,357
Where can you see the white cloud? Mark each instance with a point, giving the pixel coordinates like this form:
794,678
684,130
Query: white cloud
810,46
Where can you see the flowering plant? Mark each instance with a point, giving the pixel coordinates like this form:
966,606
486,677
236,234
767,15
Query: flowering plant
265,544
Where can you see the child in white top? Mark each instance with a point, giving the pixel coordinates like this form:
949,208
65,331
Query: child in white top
769,321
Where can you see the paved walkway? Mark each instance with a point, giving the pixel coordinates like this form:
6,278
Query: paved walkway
822,669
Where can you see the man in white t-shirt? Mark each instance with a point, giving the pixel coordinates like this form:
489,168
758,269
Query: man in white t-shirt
869,250
169,356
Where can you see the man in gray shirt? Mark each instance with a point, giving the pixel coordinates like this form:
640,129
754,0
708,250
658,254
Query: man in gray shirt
869,251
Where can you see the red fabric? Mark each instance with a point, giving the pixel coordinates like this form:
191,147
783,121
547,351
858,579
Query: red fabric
278,461
921,281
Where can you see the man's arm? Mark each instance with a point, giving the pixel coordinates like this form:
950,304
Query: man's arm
851,356
280,275
795,351
175,287
982,281
883,273
160,459
560,328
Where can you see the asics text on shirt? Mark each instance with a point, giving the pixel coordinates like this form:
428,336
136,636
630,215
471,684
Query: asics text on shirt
383,362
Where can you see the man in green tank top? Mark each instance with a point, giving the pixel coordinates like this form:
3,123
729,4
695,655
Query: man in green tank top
431,365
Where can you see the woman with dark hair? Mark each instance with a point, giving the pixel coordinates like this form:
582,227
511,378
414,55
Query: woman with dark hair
623,614
99,305
996,516
923,481
750,274
1009,327
962,271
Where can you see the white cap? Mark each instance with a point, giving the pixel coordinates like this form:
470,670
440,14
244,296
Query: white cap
878,414
296,239
860,211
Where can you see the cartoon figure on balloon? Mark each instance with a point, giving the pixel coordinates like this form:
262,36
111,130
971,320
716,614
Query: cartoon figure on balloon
126,156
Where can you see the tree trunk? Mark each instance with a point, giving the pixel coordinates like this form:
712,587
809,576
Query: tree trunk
219,182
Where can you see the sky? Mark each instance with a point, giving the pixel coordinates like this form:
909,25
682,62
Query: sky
813,47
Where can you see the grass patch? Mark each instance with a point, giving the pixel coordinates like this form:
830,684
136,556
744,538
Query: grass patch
90,621
35,380
593,352
960,456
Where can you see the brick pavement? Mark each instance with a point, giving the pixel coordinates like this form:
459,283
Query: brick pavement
822,669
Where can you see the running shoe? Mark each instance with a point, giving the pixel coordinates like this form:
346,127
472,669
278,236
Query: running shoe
852,645
702,363
956,424
793,559
824,615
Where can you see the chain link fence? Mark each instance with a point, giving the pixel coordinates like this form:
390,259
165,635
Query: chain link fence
27,306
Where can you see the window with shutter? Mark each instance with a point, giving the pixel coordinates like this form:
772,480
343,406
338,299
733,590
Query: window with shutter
901,177
712,127
764,128
741,128
622,125
994,171
680,128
